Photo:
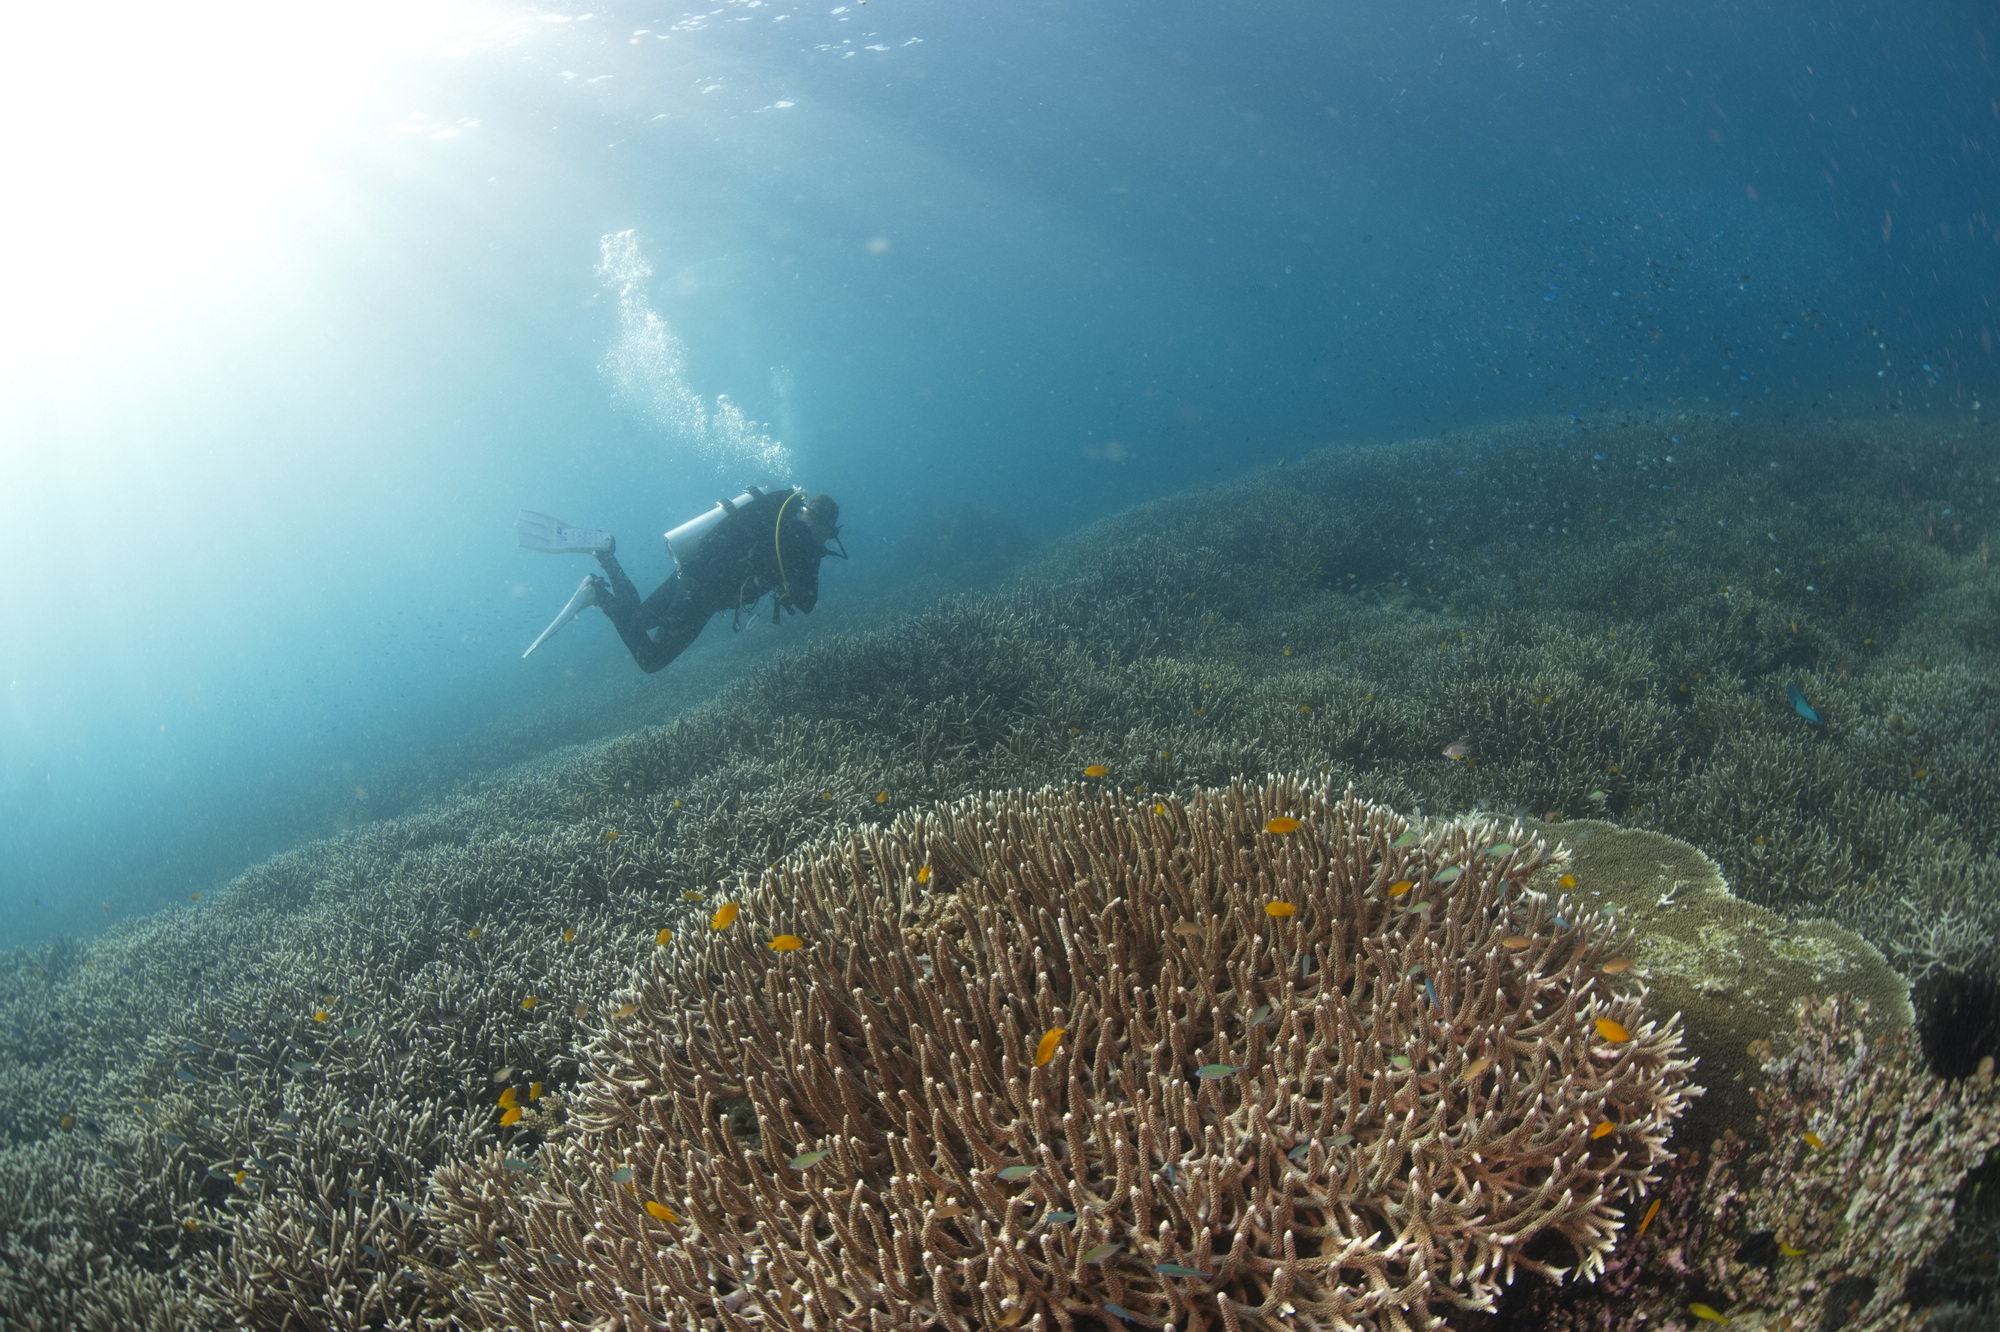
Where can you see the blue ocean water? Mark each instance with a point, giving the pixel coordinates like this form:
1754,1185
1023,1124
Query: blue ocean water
1051,259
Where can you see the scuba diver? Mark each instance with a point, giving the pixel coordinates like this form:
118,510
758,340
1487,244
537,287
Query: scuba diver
725,559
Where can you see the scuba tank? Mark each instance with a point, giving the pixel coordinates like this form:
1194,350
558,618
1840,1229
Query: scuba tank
685,540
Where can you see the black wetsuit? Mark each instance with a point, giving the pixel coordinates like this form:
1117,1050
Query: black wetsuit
763,546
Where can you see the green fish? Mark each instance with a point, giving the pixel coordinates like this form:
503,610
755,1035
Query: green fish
517,1165
1101,1252
1017,1172
1400,1061
1447,874
804,1159
1500,849
622,1175
1219,1070
1060,1218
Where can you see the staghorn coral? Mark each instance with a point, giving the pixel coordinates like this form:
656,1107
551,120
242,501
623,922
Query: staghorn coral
1824,1221
1157,1060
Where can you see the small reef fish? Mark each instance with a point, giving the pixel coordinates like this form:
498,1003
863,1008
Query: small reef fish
1789,1251
881,797
322,1016
1014,1172
1447,874
511,1115
1263,1014
1407,839
1119,1311
660,940
1613,966
509,1099
1612,1031
1704,1312
723,915
1047,1049
804,1159
569,934
923,874
1189,928
1797,696
473,933
1516,942
1097,770
1278,910
1283,824
534,1091
528,1004
1060,1218
947,1210
1402,1062
1401,886
1814,1141
1177,1270
1213,1071
611,834
1566,881
1603,1128
625,1010
622,1175
785,943
1477,1066
1652,1211
661,1212
1500,849
1457,749
1100,1252
690,896
517,1165
580,1012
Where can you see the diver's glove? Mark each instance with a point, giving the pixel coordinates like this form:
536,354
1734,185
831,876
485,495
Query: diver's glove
553,536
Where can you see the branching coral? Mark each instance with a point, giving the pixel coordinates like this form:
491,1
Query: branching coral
1066,1059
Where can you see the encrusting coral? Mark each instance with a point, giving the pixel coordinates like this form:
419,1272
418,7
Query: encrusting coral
1072,1058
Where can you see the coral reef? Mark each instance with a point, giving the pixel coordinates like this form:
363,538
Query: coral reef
1822,1222
1067,1059
1732,970
1607,612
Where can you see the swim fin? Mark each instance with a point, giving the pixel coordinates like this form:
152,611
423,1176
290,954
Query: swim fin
586,596
553,536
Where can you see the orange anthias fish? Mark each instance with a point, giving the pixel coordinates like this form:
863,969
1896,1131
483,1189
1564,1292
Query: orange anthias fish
1047,1049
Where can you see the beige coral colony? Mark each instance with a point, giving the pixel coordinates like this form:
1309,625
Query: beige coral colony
1269,1055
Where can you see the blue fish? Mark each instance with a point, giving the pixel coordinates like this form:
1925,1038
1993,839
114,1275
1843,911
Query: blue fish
1799,704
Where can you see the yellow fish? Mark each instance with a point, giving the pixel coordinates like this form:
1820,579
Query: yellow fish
923,874
1283,824
625,1010
1159,808
690,896
511,1115
1516,942
1703,1311
569,934
1275,910
1814,1141
1401,886
723,915
528,1004
660,939
1789,1251
509,1099
1097,770
611,835
581,1011
322,1016
1477,1066
65,1122
1615,965
1647,1220
1566,881
661,1212
194,897
1612,1031
534,1091
1602,1128
881,797
785,943
472,933
1047,1049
